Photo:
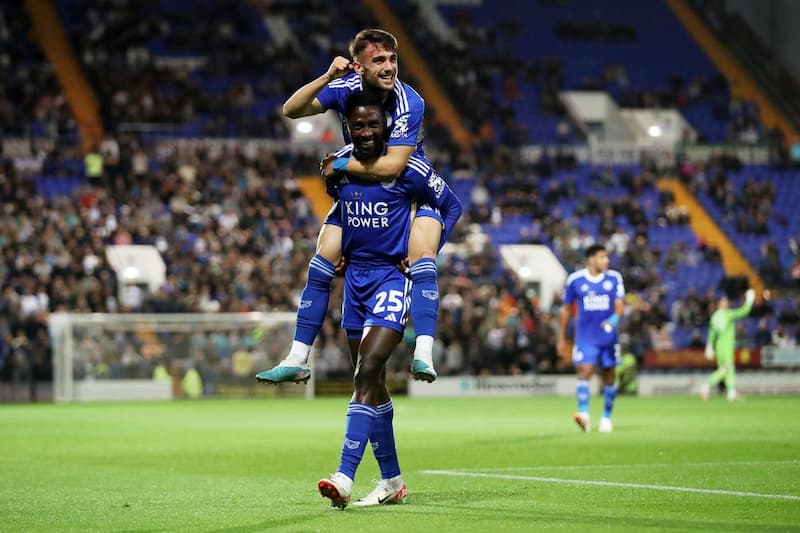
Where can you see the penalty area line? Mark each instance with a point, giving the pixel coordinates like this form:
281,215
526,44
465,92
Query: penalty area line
586,482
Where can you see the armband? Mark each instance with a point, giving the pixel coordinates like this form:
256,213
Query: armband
340,163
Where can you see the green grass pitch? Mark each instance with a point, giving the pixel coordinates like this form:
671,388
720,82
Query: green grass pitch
672,464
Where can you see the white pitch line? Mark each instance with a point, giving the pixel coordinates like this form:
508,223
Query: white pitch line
639,465
665,488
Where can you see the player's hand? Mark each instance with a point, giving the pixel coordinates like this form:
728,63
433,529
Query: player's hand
709,353
340,66
341,267
326,165
405,268
561,347
750,296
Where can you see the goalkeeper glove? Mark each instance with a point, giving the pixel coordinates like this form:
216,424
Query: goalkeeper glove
709,353
750,296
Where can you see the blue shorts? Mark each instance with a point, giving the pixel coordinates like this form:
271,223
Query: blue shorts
375,296
602,356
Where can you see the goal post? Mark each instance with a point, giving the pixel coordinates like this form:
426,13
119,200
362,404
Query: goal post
137,356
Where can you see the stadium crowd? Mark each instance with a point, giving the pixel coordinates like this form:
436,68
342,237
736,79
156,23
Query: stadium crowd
234,229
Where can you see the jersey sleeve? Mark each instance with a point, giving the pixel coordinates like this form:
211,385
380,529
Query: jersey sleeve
407,126
430,188
332,98
569,291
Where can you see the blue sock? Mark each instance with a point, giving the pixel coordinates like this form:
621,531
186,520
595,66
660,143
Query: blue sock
582,394
609,394
424,296
383,445
314,300
360,420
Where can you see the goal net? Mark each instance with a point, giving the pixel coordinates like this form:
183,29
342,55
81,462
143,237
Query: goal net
159,356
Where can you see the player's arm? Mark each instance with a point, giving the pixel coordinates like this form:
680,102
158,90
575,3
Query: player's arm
710,341
304,101
438,194
563,320
388,166
613,320
744,310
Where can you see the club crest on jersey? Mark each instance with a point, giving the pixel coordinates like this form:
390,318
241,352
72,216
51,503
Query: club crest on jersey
400,128
389,184
584,287
436,183
607,285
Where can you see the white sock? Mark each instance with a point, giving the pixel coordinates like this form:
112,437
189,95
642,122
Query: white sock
298,355
424,349
395,482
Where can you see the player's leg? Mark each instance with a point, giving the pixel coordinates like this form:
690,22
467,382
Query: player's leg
423,244
609,358
715,377
730,376
313,306
374,351
584,358
338,487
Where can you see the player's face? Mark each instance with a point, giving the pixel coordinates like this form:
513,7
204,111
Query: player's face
377,66
366,126
599,262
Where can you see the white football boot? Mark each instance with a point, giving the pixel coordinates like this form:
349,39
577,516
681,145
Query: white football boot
388,491
605,425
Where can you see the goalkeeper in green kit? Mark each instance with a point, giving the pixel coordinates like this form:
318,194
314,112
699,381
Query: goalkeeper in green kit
721,342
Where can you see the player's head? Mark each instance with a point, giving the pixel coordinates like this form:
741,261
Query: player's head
597,258
374,54
366,123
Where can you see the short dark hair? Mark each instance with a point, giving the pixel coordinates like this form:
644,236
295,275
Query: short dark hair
593,249
363,98
372,36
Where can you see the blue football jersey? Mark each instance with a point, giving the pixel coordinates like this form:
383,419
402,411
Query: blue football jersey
595,298
376,217
404,110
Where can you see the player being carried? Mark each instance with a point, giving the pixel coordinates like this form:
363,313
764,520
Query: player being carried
599,294
374,64
375,222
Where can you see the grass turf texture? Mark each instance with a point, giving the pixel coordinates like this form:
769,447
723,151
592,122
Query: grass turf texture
252,465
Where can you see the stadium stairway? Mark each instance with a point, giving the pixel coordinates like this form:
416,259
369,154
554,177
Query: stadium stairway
50,34
428,86
313,188
742,84
704,227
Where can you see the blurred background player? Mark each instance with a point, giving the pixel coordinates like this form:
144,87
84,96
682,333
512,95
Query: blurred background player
599,294
722,341
376,219
375,65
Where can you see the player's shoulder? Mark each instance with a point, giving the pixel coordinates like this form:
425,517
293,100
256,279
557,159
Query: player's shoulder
408,99
344,151
417,167
350,83
614,274
581,273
